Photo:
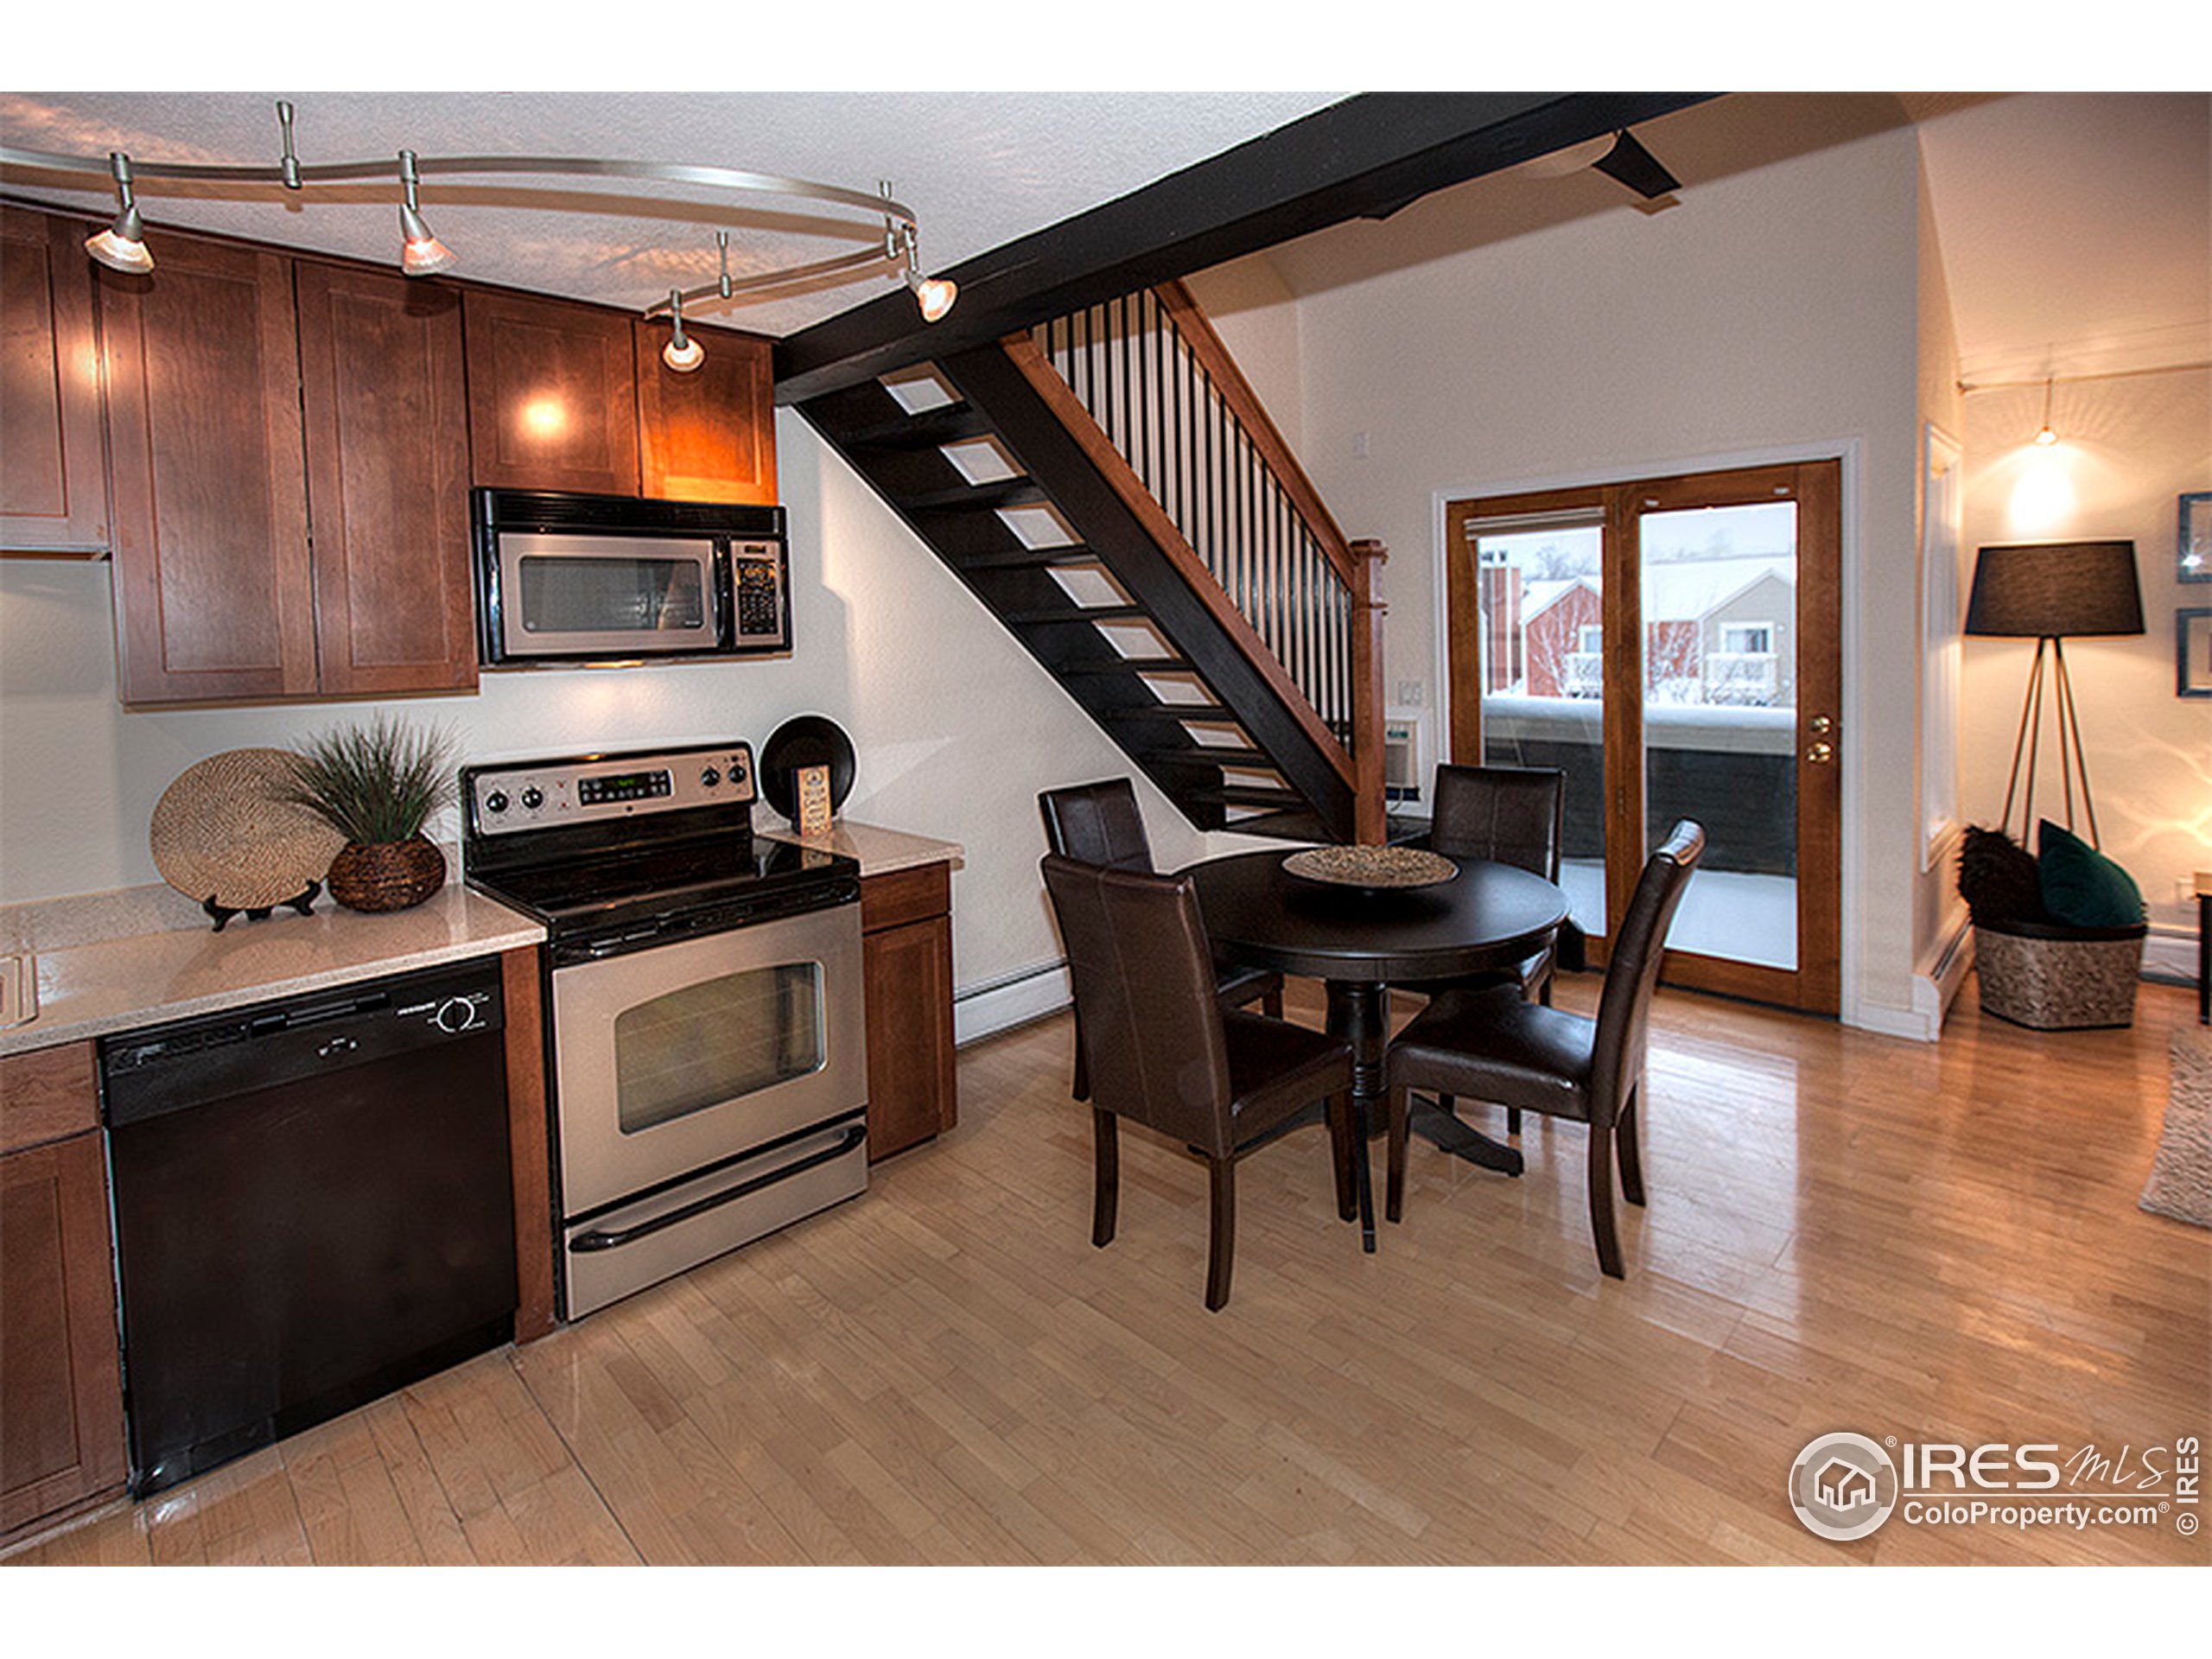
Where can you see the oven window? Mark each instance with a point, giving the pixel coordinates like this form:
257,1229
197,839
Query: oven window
717,1041
574,595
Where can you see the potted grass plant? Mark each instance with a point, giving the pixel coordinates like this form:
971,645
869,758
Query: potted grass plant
377,785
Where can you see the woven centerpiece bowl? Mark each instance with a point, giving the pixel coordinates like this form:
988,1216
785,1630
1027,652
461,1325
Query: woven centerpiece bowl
386,874
1370,869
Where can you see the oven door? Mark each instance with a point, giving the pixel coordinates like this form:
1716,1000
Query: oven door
609,596
679,1057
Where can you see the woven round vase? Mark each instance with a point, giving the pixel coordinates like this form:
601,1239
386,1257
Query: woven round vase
386,874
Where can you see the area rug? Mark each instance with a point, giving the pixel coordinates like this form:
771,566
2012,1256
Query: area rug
2181,1181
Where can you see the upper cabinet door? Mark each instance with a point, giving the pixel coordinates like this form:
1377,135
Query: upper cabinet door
387,456
709,434
214,597
53,451
551,405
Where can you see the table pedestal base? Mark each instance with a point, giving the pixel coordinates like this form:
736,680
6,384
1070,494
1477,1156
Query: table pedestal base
1440,1127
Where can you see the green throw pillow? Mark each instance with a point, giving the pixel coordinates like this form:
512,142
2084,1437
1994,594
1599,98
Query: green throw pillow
2081,886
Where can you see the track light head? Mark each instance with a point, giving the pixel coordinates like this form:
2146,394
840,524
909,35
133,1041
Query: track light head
421,254
122,245
682,353
935,295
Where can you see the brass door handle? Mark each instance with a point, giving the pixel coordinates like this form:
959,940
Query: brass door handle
1820,753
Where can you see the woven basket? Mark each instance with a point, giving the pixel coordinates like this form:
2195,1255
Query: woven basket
386,874
2058,978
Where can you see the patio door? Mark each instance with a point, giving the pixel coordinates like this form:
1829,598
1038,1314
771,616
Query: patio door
1672,644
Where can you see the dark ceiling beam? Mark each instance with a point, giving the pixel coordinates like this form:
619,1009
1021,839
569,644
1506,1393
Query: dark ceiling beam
1365,158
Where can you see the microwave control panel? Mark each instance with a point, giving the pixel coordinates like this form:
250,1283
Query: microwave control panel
538,795
757,593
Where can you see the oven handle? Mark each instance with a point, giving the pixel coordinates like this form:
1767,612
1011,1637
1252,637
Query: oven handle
602,1239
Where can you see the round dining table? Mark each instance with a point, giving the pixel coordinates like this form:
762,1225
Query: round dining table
1359,940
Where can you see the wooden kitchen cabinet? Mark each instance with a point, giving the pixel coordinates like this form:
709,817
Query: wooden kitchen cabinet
214,596
52,437
552,400
906,964
250,396
710,434
386,413
61,1438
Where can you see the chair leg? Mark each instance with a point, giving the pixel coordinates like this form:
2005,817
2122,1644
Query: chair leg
1107,1190
1400,1111
1631,1156
1601,1201
1340,1138
1513,1120
1080,1088
1221,1244
1271,1004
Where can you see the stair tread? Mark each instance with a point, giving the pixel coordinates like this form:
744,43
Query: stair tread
925,431
1135,666
1079,614
1248,795
1210,755
1213,714
1016,558
1002,492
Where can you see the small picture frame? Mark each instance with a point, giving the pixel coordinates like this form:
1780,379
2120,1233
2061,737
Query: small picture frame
813,800
2193,653
2193,550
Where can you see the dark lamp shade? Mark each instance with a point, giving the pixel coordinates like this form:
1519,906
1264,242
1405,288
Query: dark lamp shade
2056,588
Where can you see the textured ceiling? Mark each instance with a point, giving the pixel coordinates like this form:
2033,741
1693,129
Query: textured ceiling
978,170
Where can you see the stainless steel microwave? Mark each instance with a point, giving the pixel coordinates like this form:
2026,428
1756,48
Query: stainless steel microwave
566,578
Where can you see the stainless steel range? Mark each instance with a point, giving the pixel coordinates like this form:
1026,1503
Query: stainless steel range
706,1055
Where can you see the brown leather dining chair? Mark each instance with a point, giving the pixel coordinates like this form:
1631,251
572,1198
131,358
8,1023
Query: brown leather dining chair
1494,1046
1099,823
1165,1053
1516,815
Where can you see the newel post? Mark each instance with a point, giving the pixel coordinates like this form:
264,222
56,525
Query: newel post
1369,814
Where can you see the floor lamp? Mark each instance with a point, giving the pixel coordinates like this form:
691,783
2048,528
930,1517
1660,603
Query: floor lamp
2048,592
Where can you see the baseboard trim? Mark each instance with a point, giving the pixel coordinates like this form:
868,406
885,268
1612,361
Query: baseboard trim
1015,999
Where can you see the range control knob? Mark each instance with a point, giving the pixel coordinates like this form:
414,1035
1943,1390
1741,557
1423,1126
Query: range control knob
533,798
454,1015
496,801
710,778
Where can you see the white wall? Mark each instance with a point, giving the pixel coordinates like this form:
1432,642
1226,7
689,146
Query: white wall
2130,447
957,728
1772,313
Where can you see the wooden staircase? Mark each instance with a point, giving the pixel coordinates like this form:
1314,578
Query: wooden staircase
1111,487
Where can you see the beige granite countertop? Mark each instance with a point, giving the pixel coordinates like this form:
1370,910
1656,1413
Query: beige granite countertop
166,967
880,850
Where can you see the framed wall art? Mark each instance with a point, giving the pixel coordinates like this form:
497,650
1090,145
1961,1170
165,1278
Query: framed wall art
2193,653
2193,550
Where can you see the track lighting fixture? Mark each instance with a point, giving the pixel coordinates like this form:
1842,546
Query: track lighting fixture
122,245
682,353
421,254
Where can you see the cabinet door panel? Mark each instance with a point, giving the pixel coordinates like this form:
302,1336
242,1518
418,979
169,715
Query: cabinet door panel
213,596
710,434
387,455
911,1077
60,1381
53,451
551,405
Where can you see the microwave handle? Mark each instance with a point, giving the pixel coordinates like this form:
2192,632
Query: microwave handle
725,595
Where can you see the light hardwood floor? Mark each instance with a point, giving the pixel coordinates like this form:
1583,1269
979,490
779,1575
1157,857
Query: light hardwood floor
1934,1242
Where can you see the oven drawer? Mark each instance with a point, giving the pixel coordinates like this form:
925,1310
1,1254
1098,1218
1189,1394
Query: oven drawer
634,1245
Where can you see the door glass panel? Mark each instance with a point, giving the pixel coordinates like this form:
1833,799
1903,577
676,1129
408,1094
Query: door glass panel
572,595
1719,600
1541,597
712,1042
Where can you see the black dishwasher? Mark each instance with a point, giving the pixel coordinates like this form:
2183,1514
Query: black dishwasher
312,1208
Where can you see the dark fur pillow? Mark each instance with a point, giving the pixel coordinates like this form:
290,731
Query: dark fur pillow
1998,878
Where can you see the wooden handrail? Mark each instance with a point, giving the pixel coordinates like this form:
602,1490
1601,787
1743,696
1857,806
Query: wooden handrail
1024,352
1237,394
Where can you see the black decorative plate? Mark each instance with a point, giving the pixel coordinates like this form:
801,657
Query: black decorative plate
805,740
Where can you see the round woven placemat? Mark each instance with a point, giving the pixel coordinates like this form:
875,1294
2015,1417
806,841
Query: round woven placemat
220,832
1371,868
